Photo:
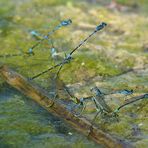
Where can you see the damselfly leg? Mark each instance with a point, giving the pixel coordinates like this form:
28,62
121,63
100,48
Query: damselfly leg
80,103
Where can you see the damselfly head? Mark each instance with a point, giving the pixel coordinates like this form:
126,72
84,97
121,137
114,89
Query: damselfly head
66,22
104,24
127,92
34,33
95,90
101,26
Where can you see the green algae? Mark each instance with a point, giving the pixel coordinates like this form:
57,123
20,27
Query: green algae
109,53
87,66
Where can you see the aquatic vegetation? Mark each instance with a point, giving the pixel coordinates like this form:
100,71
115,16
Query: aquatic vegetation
102,63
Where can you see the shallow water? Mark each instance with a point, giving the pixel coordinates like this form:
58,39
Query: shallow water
25,124
101,62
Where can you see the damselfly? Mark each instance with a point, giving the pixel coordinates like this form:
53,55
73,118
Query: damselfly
99,101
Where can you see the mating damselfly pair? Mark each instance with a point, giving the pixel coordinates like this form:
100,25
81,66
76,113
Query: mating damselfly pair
101,103
97,97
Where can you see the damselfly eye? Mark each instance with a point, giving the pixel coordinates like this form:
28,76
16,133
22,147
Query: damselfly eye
104,24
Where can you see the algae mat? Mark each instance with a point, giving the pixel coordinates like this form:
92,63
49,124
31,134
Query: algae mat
106,60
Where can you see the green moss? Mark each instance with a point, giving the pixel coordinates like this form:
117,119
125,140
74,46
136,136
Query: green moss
17,116
86,66
14,139
107,54
52,2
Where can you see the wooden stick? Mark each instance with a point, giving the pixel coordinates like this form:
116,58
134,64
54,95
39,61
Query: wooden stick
81,124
